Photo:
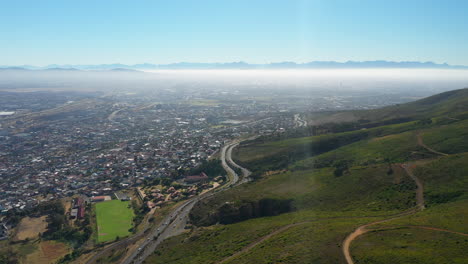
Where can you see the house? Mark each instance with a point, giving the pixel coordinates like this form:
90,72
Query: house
81,212
97,199
197,178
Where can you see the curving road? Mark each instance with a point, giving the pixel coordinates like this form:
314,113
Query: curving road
232,175
245,172
174,224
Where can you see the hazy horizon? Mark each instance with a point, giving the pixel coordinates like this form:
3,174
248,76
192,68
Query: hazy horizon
428,81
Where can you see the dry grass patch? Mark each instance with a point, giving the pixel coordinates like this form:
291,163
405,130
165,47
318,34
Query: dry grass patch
31,227
48,252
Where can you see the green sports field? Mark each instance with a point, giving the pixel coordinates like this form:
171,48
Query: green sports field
114,218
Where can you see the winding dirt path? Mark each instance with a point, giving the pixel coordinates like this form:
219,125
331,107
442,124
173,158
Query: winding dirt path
364,228
421,143
438,229
286,227
422,227
260,240
420,188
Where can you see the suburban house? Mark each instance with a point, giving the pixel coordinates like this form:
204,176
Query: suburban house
97,199
197,178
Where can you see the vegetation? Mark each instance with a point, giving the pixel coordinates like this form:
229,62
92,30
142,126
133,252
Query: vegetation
8,256
448,138
410,245
139,212
337,180
212,168
114,219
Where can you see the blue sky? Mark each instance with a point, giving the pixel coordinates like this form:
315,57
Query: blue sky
257,31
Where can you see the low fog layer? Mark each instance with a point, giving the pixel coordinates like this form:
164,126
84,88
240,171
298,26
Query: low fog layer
424,81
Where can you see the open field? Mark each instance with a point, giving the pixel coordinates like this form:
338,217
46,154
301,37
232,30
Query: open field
47,252
31,227
114,219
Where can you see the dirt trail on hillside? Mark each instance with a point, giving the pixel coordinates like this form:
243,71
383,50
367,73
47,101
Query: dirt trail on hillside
421,143
282,229
422,227
364,228
419,189
438,229
359,231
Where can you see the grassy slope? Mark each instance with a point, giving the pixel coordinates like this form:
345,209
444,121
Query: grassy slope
446,103
114,218
363,190
212,244
449,103
338,201
327,203
410,246
401,243
447,138
392,148
400,147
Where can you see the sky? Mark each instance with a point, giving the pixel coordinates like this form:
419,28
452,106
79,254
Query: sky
255,31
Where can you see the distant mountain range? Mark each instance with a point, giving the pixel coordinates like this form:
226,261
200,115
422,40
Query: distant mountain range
244,65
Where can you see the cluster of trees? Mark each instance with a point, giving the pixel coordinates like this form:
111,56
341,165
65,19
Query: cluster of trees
8,256
443,197
58,227
229,213
13,217
157,181
341,167
212,168
140,212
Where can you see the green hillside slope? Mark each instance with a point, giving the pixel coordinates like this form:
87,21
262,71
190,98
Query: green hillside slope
450,104
310,193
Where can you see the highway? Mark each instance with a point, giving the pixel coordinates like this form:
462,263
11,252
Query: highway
174,224
232,175
245,172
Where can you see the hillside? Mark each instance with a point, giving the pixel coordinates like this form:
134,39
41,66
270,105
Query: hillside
392,193
448,104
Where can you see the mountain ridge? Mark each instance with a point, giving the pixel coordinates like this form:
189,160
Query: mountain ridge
245,65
